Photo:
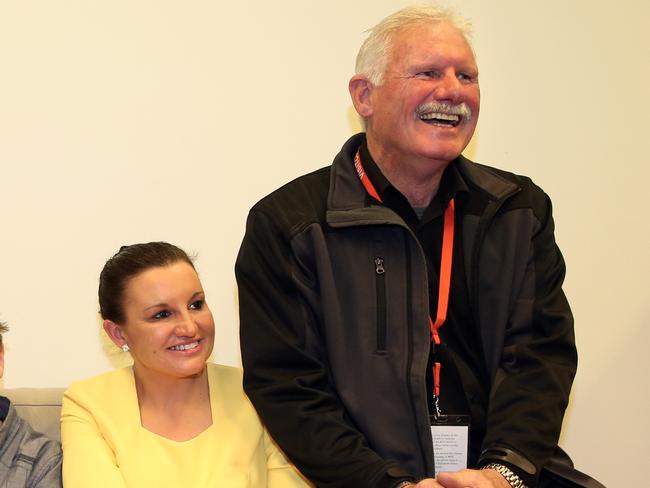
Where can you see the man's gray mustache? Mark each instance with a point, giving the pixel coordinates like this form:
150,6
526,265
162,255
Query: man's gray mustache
460,109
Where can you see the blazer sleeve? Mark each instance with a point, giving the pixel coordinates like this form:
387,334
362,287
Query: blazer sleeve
280,473
88,460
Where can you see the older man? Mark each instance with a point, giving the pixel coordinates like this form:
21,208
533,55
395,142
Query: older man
402,316
28,459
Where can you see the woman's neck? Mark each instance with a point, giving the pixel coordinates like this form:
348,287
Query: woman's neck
175,408
163,389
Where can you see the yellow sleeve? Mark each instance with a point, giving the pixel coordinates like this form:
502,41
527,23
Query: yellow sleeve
280,473
88,460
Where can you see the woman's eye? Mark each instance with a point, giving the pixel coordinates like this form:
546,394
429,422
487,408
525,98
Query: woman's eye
196,305
163,314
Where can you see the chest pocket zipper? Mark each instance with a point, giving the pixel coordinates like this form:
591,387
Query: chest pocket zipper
380,281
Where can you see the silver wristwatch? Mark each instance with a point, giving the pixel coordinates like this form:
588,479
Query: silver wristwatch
514,480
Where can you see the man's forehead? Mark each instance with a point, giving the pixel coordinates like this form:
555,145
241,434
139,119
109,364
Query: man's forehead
429,40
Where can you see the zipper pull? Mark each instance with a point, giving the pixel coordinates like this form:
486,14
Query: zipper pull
379,266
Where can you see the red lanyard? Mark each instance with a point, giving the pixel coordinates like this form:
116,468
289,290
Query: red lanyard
445,270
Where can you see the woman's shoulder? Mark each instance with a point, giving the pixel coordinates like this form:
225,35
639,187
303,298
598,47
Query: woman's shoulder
229,402
225,378
227,382
226,372
104,385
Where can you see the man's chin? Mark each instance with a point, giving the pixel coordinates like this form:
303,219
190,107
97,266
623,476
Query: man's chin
446,143
441,152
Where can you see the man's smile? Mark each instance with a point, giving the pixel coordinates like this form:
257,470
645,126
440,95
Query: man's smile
440,119
443,114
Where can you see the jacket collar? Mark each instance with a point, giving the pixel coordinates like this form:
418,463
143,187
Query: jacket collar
348,204
496,186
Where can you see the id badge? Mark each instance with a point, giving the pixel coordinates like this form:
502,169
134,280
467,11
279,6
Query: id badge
450,434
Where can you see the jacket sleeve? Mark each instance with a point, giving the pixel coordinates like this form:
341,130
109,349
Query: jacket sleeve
47,469
285,367
87,459
531,389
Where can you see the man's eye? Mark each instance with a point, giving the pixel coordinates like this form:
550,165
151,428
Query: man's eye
163,314
428,74
465,77
196,305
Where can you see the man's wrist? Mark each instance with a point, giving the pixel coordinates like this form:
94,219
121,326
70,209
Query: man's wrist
511,459
510,476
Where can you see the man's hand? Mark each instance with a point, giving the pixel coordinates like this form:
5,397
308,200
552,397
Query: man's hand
466,478
471,478
427,483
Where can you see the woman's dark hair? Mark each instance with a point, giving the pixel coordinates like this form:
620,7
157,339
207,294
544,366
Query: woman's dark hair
129,262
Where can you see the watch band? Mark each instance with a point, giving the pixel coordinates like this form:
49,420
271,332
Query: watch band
514,480
404,484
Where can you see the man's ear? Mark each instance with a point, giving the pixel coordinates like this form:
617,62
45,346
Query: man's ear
360,90
2,360
114,331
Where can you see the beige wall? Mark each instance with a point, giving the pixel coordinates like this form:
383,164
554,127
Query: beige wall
129,121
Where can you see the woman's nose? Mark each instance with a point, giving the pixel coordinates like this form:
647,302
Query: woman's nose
186,326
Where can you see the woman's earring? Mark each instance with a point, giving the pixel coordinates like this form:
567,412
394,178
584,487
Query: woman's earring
125,348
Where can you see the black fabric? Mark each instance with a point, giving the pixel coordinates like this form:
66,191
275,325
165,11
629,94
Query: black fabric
559,472
465,386
347,399
4,407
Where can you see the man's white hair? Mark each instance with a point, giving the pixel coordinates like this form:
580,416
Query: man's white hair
375,51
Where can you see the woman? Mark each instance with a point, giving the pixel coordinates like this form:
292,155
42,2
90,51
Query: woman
172,419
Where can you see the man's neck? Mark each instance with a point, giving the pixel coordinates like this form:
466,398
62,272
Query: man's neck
418,179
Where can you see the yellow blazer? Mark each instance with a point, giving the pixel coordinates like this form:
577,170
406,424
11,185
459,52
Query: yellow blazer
105,445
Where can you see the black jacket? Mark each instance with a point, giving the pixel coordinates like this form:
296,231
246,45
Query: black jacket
344,395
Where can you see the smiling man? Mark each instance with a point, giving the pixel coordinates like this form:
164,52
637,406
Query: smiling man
402,316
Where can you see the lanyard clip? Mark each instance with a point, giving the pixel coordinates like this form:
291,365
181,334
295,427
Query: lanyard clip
437,413
436,391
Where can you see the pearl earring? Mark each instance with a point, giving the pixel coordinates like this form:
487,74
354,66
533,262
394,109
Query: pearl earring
125,348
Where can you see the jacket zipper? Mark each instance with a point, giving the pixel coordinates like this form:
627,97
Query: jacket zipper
380,283
409,355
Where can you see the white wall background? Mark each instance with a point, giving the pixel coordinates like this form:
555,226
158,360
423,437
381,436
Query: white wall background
130,121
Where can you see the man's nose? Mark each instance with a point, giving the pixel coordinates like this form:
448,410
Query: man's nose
449,87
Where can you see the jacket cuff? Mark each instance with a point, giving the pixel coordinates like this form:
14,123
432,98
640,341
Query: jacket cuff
393,477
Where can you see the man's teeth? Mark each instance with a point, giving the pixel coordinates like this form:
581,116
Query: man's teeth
435,116
185,347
